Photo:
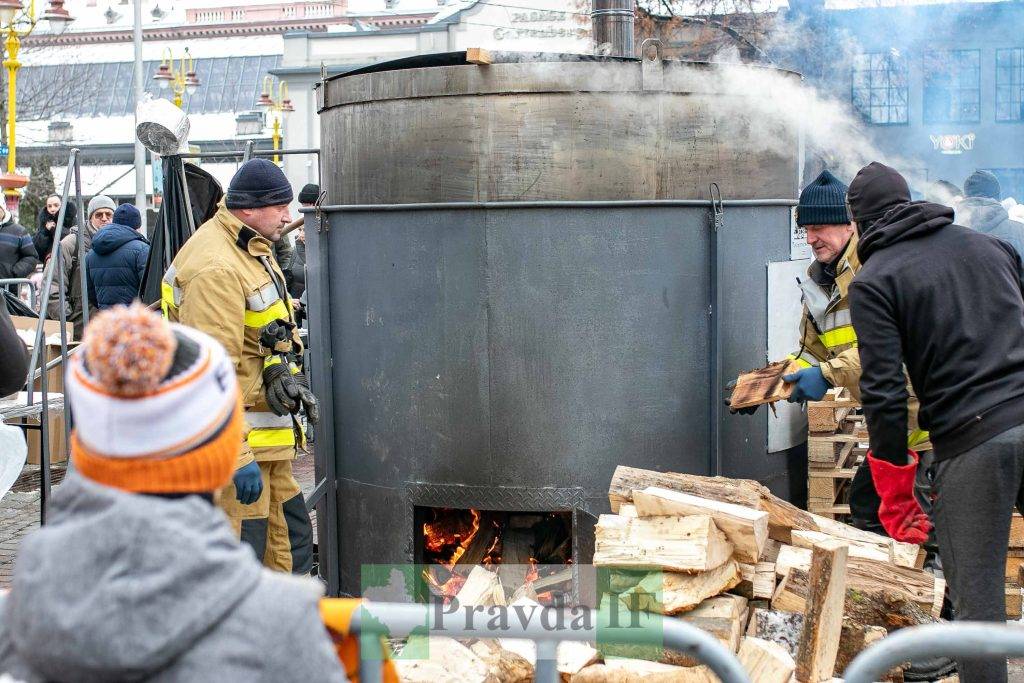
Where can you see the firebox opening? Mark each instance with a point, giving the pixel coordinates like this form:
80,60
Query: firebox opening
528,554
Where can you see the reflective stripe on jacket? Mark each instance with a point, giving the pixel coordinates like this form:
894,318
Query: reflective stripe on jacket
219,283
829,341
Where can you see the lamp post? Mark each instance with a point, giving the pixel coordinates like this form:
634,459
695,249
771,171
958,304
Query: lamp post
275,105
181,77
17,21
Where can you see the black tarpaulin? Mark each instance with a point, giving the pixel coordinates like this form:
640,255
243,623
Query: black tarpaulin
180,214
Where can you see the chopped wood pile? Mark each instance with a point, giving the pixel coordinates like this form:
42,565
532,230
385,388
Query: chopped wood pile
794,595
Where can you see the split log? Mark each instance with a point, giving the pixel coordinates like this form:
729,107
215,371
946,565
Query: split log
478,55
503,666
882,606
783,517
516,551
446,661
764,385
867,575
758,581
486,535
674,592
784,629
638,671
823,623
482,588
746,528
766,662
722,617
627,510
858,549
683,544
574,656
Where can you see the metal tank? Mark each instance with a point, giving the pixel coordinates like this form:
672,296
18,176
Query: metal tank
521,281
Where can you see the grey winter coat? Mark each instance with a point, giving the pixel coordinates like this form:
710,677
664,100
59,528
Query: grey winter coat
989,216
125,587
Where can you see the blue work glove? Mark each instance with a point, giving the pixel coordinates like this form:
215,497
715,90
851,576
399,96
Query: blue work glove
811,385
248,484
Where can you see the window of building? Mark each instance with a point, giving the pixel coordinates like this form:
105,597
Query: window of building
1010,84
952,91
880,90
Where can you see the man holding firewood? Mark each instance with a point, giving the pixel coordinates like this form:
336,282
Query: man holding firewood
828,354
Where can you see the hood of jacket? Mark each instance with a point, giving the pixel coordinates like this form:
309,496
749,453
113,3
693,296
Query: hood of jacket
119,585
903,222
114,236
981,213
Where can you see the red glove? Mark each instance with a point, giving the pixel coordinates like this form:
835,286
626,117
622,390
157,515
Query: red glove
900,513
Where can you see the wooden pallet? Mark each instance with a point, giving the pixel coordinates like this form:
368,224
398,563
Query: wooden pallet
836,445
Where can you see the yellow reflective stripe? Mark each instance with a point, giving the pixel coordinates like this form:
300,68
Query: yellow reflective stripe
167,301
259,319
271,360
838,337
267,420
263,298
917,436
801,361
269,438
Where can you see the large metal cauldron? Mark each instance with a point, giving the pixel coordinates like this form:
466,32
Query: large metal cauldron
518,286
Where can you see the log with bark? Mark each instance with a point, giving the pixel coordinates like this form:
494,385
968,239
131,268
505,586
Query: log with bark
675,592
823,621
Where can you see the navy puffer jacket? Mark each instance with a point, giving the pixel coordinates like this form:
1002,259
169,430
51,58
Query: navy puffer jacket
115,265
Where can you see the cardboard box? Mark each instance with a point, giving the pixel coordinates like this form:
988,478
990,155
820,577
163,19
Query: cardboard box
55,384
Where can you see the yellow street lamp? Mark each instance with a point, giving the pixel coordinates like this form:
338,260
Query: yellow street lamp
17,21
276,105
181,77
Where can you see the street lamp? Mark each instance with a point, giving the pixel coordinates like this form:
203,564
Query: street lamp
17,21
275,105
181,77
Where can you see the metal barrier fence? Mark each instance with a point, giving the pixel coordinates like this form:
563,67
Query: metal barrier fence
964,639
397,620
20,282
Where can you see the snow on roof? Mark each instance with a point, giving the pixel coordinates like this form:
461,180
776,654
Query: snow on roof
248,46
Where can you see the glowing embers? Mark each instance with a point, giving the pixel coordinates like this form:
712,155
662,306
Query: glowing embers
528,553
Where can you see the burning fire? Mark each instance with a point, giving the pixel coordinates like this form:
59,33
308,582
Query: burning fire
438,537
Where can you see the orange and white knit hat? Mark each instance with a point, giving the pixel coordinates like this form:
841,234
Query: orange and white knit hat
156,405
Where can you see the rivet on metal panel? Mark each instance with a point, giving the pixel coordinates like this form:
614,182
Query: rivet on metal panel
717,208
652,68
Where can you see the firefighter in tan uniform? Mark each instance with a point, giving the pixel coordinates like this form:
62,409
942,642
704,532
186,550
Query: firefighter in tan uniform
828,355
226,283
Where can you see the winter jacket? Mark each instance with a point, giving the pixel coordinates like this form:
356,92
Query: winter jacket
17,255
990,217
115,266
13,355
126,587
219,283
298,283
43,238
72,278
947,302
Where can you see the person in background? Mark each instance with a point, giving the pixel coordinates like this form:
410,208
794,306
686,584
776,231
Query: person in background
117,262
297,288
943,304
46,225
99,214
137,575
13,355
18,257
981,210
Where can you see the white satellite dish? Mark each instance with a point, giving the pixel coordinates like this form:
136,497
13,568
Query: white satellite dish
162,128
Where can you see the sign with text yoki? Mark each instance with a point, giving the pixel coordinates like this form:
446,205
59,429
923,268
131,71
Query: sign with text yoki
953,144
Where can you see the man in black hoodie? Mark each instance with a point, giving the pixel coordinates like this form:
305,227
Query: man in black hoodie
946,302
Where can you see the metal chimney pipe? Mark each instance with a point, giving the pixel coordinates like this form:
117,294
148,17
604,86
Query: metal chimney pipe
612,25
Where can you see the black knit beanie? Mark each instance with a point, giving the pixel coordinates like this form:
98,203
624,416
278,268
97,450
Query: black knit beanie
982,184
258,183
823,202
309,193
876,189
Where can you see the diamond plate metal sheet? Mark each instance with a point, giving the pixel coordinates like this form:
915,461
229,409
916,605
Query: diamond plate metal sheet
504,498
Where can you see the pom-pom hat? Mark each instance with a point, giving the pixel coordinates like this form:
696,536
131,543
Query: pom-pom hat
156,405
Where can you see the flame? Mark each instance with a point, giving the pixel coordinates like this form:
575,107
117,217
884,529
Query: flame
435,539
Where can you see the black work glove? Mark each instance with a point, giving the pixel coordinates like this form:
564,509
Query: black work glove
281,390
277,336
742,411
308,400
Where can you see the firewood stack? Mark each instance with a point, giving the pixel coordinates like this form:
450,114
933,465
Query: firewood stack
795,595
804,592
836,444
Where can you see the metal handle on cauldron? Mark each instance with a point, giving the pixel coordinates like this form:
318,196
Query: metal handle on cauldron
715,345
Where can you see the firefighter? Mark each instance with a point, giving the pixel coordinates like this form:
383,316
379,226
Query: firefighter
828,355
226,283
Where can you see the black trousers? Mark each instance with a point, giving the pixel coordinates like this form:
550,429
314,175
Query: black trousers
976,493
